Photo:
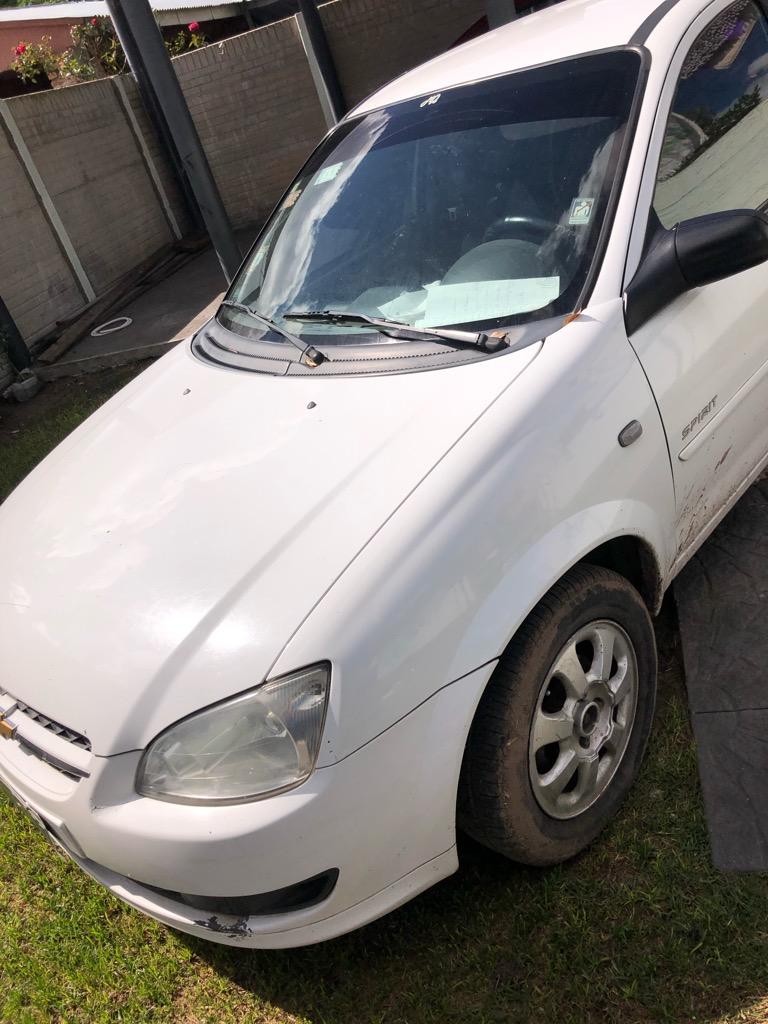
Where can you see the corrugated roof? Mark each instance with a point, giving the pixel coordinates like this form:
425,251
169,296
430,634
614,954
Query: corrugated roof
173,5
52,12
93,8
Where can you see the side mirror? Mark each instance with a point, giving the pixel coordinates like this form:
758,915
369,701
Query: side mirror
695,253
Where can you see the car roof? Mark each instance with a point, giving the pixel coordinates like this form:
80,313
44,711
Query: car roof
565,30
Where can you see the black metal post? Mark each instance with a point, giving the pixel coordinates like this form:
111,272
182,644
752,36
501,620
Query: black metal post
247,14
18,353
152,107
321,56
500,12
137,15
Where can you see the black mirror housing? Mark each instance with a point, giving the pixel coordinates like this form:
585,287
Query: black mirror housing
712,248
697,252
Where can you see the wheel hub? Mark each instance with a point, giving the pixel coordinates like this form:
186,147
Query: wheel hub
587,719
583,719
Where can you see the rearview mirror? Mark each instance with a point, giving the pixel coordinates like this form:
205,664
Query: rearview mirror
695,253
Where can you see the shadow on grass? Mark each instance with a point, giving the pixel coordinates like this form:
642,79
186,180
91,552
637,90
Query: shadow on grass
639,928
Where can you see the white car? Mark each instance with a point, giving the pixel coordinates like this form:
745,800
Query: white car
374,555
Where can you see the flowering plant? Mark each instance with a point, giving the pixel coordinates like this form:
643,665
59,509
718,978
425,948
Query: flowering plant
31,61
95,53
187,39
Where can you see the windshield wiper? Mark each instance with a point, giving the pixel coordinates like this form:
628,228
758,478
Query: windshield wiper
309,354
493,342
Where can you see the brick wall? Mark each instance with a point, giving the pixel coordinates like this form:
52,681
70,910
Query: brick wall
374,41
83,147
257,113
85,150
157,154
35,279
254,103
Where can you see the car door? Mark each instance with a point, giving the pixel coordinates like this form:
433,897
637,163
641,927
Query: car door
706,354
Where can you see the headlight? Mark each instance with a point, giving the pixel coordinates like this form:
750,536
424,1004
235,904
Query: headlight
261,742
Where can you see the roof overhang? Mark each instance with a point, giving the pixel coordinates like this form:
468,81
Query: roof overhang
167,12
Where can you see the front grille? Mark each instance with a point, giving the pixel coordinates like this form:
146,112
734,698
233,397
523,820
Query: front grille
55,727
71,771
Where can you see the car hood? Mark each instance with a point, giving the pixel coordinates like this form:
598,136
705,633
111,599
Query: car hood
160,558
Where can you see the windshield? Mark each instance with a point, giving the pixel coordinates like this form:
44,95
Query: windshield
477,207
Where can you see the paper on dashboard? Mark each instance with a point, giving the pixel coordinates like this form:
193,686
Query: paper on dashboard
470,301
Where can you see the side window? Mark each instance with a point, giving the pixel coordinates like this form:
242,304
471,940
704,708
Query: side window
715,154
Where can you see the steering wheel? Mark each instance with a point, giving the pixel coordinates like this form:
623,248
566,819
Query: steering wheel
524,227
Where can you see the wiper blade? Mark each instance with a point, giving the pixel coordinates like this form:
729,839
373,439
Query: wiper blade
309,354
493,342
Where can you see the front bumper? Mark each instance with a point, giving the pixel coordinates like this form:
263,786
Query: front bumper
384,817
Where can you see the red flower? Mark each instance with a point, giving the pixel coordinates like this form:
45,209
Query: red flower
21,48
193,26
94,22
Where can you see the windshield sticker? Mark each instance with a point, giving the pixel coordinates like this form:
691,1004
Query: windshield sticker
581,210
327,173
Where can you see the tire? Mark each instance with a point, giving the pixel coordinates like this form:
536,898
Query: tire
509,795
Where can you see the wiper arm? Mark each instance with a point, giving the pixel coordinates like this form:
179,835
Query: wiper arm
309,354
492,342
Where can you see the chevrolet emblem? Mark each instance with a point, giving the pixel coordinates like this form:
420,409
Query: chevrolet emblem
7,730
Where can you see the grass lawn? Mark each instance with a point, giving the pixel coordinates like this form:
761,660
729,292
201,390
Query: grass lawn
639,929
29,431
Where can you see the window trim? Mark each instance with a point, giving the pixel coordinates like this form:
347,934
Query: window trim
622,158
761,10
641,235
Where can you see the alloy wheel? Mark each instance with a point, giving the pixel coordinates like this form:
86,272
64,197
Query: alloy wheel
583,719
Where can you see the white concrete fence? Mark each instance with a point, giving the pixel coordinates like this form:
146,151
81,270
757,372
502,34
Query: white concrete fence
86,192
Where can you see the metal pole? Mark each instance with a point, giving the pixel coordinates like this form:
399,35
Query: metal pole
247,14
18,353
500,12
321,61
138,17
152,107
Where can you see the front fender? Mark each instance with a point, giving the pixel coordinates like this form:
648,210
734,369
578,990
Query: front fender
538,483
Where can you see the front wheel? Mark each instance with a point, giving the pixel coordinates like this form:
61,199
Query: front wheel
560,732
